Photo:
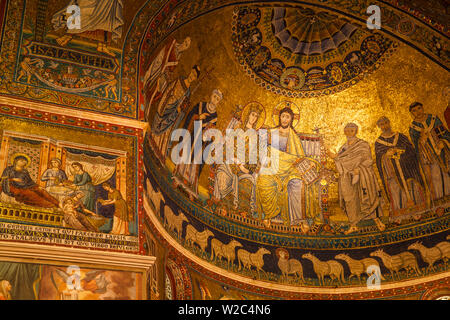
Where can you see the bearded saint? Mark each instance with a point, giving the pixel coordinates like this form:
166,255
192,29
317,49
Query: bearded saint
170,110
186,174
159,72
280,190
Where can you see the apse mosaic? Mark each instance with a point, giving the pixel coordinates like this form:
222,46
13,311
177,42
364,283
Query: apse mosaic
96,66
362,183
206,288
66,186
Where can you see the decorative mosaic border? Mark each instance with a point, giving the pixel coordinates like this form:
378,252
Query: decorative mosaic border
424,288
420,16
80,123
312,93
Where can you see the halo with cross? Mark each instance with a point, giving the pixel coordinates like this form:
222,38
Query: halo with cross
291,105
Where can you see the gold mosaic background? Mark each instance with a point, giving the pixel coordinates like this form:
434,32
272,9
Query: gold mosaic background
79,136
406,76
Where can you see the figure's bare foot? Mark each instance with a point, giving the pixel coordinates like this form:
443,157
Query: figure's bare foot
379,224
352,229
266,223
64,40
104,49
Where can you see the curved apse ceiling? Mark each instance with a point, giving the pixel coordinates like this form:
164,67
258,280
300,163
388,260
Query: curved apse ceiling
302,52
318,222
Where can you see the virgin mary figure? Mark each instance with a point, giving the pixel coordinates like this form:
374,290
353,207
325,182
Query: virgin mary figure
16,182
239,179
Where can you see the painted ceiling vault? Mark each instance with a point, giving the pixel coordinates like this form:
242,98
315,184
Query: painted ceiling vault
330,70
305,52
90,118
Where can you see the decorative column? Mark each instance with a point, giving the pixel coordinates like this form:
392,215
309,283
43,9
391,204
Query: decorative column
43,165
4,153
324,186
61,152
121,176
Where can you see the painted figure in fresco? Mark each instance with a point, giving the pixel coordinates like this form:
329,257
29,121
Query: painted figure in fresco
54,175
187,174
121,215
16,182
5,290
170,111
239,180
359,192
77,198
26,70
101,21
75,215
94,282
431,140
82,181
399,169
279,194
158,74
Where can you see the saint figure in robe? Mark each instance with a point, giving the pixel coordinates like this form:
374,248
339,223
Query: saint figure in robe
236,182
16,182
399,171
170,110
186,174
160,71
280,192
100,21
359,192
432,141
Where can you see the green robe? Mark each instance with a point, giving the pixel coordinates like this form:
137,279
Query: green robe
84,184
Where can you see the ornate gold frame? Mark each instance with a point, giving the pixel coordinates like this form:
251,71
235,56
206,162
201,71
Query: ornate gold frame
84,258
